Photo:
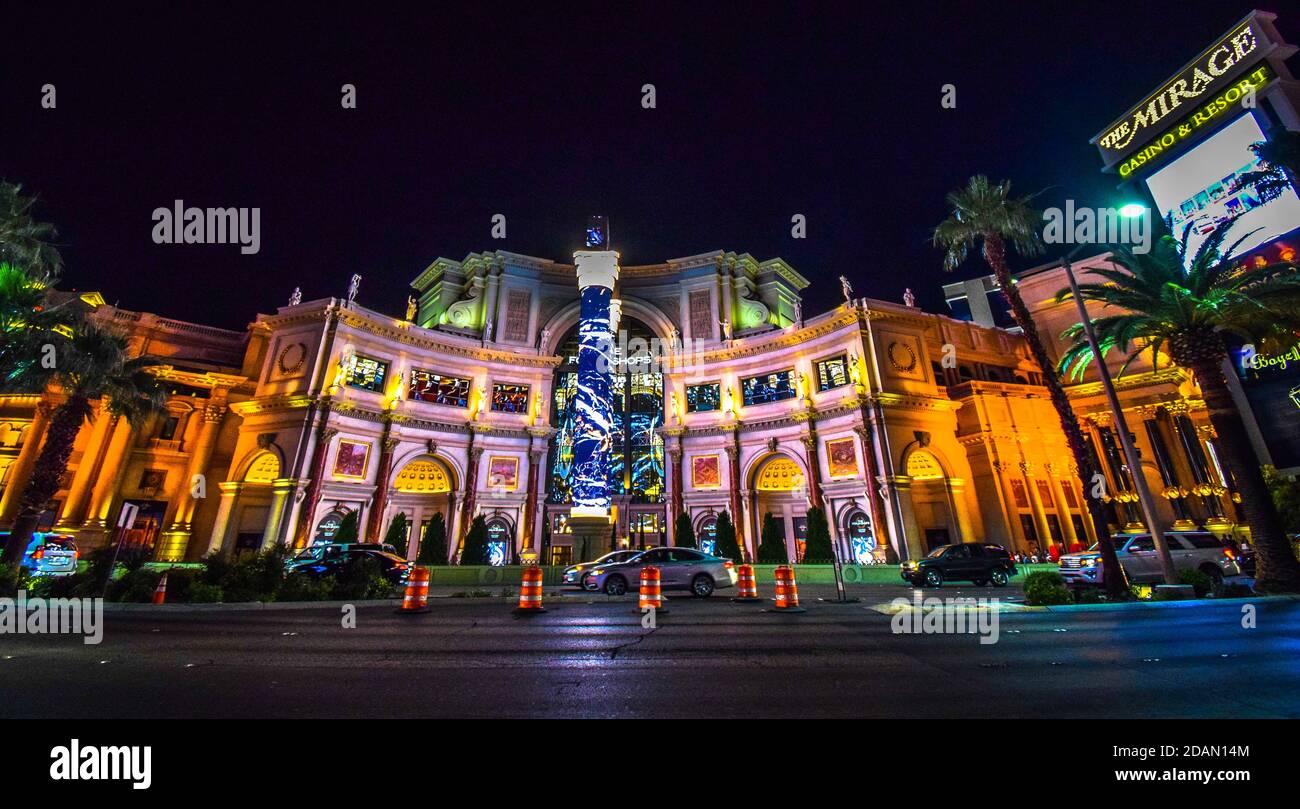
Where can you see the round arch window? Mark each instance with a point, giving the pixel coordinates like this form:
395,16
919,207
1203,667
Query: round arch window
328,527
708,535
862,540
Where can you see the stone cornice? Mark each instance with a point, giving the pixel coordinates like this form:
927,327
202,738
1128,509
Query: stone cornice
197,379
1169,376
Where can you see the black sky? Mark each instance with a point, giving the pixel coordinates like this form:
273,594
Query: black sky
535,113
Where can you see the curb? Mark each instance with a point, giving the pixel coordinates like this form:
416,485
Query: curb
1152,605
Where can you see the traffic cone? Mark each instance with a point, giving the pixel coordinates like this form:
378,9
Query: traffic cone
530,592
416,598
787,592
160,592
651,597
747,587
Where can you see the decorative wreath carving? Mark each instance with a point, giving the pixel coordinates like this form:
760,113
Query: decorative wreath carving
291,358
905,366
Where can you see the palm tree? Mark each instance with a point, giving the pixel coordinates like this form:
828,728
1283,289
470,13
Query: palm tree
24,241
1280,170
92,363
985,214
1186,307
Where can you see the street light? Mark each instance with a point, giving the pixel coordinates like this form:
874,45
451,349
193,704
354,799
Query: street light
1145,498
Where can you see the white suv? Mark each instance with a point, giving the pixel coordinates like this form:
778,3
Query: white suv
1198,550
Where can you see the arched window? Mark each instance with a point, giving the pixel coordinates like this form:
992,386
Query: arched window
707,535
328,527
636,461
500,541
862,540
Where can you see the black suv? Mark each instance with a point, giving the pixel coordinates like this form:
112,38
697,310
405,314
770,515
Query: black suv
970,561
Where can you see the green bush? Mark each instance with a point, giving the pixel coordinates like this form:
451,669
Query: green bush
11,576
1235,590
396,535
433,548
203,593
771,545
361,579
1089,595
684,533
135,586
299,587
1044,588
818,549
254,577
215,568
349,529
1200,582
726,546
476,545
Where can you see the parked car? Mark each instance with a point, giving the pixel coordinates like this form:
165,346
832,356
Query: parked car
329,563
51,555
679,569
1198,550
573,574
322,550
974,562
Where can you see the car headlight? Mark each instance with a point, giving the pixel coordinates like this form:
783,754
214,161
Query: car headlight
1090,562
597,572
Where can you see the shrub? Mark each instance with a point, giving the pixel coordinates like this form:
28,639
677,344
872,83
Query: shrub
299,587
684,535
1044,588
254,577
726,546
215,568
1200,582
433,549
135,586
818,548
476,546
78,584
360,579
771,544
349,529
10,577
202,593
396,535
180,584
1235,590
1089,595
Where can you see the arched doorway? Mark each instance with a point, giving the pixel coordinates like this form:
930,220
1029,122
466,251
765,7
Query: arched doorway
932,504
781,489
421,490
257,518
500,541
706,534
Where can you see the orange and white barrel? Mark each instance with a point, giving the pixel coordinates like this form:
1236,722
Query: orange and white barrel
651,592
787,591
746,584
530,591
416,598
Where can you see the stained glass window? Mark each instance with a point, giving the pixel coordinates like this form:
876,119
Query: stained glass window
367,373
510,398
703,398
427,386
833,373
765,388
636,459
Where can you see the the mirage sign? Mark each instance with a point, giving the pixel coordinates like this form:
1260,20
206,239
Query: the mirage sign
1236,53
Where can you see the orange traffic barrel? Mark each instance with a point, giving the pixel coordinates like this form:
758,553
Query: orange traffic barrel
160,592
530,592
746,586
787,592
416,598
652,597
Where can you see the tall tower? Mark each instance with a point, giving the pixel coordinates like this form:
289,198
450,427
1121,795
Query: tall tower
597,269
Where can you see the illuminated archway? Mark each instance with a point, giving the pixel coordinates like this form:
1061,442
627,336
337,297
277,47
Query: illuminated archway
422,491
780,487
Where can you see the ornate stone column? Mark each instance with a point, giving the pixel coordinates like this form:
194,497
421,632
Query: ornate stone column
375,524
221,525
88,471
536,462
733,467
471,489
878,523
312,499
21,470
956,489
175,540
1062,505
901,487
281,489
814,466
114,467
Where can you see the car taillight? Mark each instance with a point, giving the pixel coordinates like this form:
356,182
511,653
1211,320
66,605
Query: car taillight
1228,553
40,553
728,565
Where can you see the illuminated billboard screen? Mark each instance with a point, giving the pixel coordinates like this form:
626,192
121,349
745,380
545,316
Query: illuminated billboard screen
1271,382
1203,188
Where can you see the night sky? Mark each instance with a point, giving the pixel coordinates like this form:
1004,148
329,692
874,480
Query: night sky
536,114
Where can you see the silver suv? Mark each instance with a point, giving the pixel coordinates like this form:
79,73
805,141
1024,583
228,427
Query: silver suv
1197,550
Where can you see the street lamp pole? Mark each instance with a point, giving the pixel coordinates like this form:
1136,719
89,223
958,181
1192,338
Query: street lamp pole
1145,499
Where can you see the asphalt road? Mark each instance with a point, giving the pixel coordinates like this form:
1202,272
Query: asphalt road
590,657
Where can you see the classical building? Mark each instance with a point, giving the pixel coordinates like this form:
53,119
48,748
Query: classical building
909,429
1162,405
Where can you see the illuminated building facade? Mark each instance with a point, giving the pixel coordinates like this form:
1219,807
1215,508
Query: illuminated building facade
909,429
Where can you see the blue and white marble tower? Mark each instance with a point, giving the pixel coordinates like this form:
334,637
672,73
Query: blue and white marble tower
597,274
